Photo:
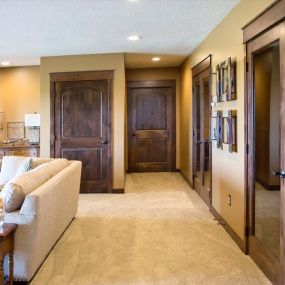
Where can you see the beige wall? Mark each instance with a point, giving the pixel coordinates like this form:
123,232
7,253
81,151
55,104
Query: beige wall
19,93
164,73
89,63
228,168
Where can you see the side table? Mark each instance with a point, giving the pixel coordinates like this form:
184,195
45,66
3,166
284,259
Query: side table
7,247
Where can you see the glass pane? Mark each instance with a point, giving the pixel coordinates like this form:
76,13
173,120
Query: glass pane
267,147
198,132
206,135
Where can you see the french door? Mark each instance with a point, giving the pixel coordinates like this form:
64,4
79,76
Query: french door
265,111
201,135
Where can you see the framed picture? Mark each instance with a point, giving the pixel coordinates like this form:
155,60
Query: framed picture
216,128
15,130
1,120
229,130
226,81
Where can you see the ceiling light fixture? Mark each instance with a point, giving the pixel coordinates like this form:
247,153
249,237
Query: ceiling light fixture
133,38
156,58
5,63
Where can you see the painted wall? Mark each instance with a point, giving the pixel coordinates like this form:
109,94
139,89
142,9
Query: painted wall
164,73
19,93
228,168
88,63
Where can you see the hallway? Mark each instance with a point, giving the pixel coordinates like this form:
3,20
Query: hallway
159,232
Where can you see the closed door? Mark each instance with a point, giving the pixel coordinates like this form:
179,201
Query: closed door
266,155
81,125
151,126
201,136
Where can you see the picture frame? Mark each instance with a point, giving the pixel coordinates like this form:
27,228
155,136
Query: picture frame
15,130
229,130
1,120
216,128
225,81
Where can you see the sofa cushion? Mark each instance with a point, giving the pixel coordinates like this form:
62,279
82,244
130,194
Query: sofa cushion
17,188
36,161
10,166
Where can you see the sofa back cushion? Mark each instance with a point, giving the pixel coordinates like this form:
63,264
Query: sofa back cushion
18,187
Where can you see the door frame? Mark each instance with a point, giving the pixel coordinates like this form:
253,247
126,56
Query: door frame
196,70
271,265
85,76
153,84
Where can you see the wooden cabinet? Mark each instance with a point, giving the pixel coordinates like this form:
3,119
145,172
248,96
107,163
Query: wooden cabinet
20,150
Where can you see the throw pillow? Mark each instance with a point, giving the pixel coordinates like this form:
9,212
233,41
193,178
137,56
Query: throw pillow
10,166
25,167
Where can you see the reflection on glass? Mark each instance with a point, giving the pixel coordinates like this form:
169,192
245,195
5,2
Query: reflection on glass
198,133
206,135
267,147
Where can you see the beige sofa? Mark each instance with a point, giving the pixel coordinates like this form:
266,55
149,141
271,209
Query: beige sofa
42,219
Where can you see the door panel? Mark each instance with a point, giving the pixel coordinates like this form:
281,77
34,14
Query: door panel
201,138
151,113
82,129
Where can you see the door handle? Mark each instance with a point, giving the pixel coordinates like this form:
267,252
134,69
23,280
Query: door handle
280,173
104,141
200,141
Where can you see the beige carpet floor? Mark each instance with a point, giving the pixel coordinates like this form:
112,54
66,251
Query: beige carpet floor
159,232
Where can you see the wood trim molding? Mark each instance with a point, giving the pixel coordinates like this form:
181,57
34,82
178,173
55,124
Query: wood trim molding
186,179
118,191
266,19
81,75
202,65
241,243
151,83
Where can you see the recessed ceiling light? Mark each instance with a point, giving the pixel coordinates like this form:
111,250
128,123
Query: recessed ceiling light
156,58
133,38
5,63
133,0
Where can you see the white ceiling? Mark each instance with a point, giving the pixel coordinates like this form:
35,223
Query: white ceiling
30,29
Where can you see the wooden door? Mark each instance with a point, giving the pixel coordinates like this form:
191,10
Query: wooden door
265,130
81,125
151,126
201,133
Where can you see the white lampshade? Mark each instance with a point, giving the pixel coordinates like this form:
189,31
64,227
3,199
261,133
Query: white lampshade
32,120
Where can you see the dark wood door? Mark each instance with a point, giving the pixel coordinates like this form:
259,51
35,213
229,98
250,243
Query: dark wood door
201,135
151,126
265,161
81,128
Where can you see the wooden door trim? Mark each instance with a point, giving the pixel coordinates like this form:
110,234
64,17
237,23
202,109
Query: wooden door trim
265,20
263,257
202,65
153,84
84,76
81,75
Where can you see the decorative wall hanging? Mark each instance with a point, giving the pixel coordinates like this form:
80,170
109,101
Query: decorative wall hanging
225,81
1,120
229,130
15,130
216,128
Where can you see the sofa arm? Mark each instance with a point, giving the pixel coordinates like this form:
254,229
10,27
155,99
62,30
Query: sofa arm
67,182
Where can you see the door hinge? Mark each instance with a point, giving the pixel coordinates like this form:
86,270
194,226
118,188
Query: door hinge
246,66
247,149
247,231
193,133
